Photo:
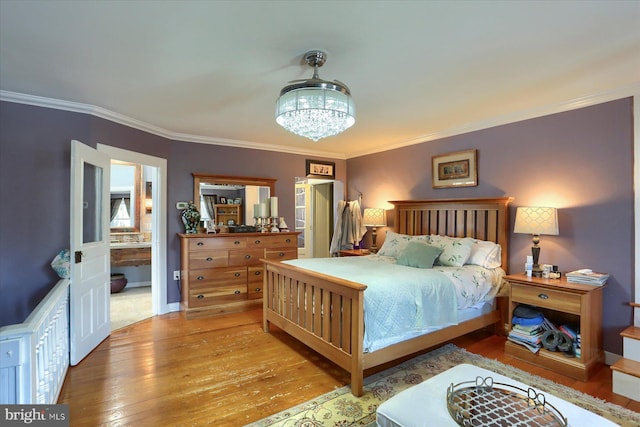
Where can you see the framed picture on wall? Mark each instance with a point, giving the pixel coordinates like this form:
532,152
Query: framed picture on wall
320,169
457,169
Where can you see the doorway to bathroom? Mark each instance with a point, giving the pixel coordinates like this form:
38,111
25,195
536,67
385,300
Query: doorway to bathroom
138,244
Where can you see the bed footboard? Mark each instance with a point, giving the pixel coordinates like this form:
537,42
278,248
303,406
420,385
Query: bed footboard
323,312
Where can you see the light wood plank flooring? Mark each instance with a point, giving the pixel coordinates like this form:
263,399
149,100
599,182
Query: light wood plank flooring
224,371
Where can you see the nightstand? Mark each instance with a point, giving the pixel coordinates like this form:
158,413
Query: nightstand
561,303
355,252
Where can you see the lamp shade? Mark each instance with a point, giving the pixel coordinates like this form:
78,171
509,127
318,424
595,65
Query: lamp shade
536,220
374,217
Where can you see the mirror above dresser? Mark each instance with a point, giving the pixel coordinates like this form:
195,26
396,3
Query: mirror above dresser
229,199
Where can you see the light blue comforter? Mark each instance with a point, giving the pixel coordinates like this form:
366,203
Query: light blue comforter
400,302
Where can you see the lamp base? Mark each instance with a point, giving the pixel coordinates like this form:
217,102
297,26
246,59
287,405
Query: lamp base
537,271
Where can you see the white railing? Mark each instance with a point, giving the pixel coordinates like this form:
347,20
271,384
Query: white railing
34,355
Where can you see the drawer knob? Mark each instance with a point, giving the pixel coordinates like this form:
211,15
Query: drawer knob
543,296
257,242
200,277
258,272
200,296
209,259
200,243
237,274
237,292
288,240
281,254
247,256
236,242
258,289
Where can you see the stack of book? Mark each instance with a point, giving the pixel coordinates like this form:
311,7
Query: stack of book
587,277
530,334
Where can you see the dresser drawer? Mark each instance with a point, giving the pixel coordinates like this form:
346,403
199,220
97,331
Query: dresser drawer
217,277
208,259
217,243
246,257
273,241
255,281
281,254
201,297
546,298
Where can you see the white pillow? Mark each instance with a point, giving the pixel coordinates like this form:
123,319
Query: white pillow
455,251
485,254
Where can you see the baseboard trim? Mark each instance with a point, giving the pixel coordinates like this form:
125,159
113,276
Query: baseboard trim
138,284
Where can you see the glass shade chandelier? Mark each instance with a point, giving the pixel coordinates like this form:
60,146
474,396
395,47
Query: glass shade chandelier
315,108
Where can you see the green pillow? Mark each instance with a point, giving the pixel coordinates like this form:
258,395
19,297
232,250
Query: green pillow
418,254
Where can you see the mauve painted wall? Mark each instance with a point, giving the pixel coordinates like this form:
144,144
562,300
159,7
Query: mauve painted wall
35,155
579,161
35,181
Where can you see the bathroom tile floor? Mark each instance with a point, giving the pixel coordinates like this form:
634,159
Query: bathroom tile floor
129,306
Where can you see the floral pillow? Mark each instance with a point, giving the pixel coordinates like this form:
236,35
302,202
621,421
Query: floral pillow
394,243
455,251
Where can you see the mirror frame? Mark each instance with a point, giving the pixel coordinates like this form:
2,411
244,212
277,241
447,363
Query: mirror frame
137,189
207,178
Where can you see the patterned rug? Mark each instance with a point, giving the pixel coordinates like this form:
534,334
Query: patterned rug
340,408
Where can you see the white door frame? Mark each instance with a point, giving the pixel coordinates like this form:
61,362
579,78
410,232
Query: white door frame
636,173
159,303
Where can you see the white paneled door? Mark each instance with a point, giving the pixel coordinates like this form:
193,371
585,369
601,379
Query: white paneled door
90,262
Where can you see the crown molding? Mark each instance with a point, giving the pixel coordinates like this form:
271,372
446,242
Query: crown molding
585,101
76,107
574,104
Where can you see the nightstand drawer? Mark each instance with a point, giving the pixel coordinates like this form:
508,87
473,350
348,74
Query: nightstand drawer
547,298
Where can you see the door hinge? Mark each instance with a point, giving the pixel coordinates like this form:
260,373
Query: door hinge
78,256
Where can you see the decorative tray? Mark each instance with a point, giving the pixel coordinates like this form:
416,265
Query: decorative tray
485,403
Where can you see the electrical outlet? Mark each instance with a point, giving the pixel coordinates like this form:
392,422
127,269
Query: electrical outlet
176,275
181,205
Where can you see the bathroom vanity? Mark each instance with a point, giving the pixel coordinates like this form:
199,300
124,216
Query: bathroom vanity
130,254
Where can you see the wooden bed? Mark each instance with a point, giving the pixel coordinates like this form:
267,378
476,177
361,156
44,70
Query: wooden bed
337,330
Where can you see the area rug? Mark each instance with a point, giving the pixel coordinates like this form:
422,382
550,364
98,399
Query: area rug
339,408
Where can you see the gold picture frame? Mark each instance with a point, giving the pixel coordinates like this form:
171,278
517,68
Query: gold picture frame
457,169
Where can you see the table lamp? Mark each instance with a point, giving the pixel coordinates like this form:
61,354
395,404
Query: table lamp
536,221
374,217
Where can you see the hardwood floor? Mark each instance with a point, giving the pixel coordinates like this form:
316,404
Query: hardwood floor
225,371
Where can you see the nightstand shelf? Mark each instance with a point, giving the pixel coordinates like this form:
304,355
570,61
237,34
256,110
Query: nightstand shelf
561,302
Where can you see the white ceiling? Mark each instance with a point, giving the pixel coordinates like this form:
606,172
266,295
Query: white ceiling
210,71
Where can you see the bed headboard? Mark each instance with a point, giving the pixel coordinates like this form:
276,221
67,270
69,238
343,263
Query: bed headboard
483,219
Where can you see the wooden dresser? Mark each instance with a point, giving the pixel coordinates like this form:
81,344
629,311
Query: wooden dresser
222,273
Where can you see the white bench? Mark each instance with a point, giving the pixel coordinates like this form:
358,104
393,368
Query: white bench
425,404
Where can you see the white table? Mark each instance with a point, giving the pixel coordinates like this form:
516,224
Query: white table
425,405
